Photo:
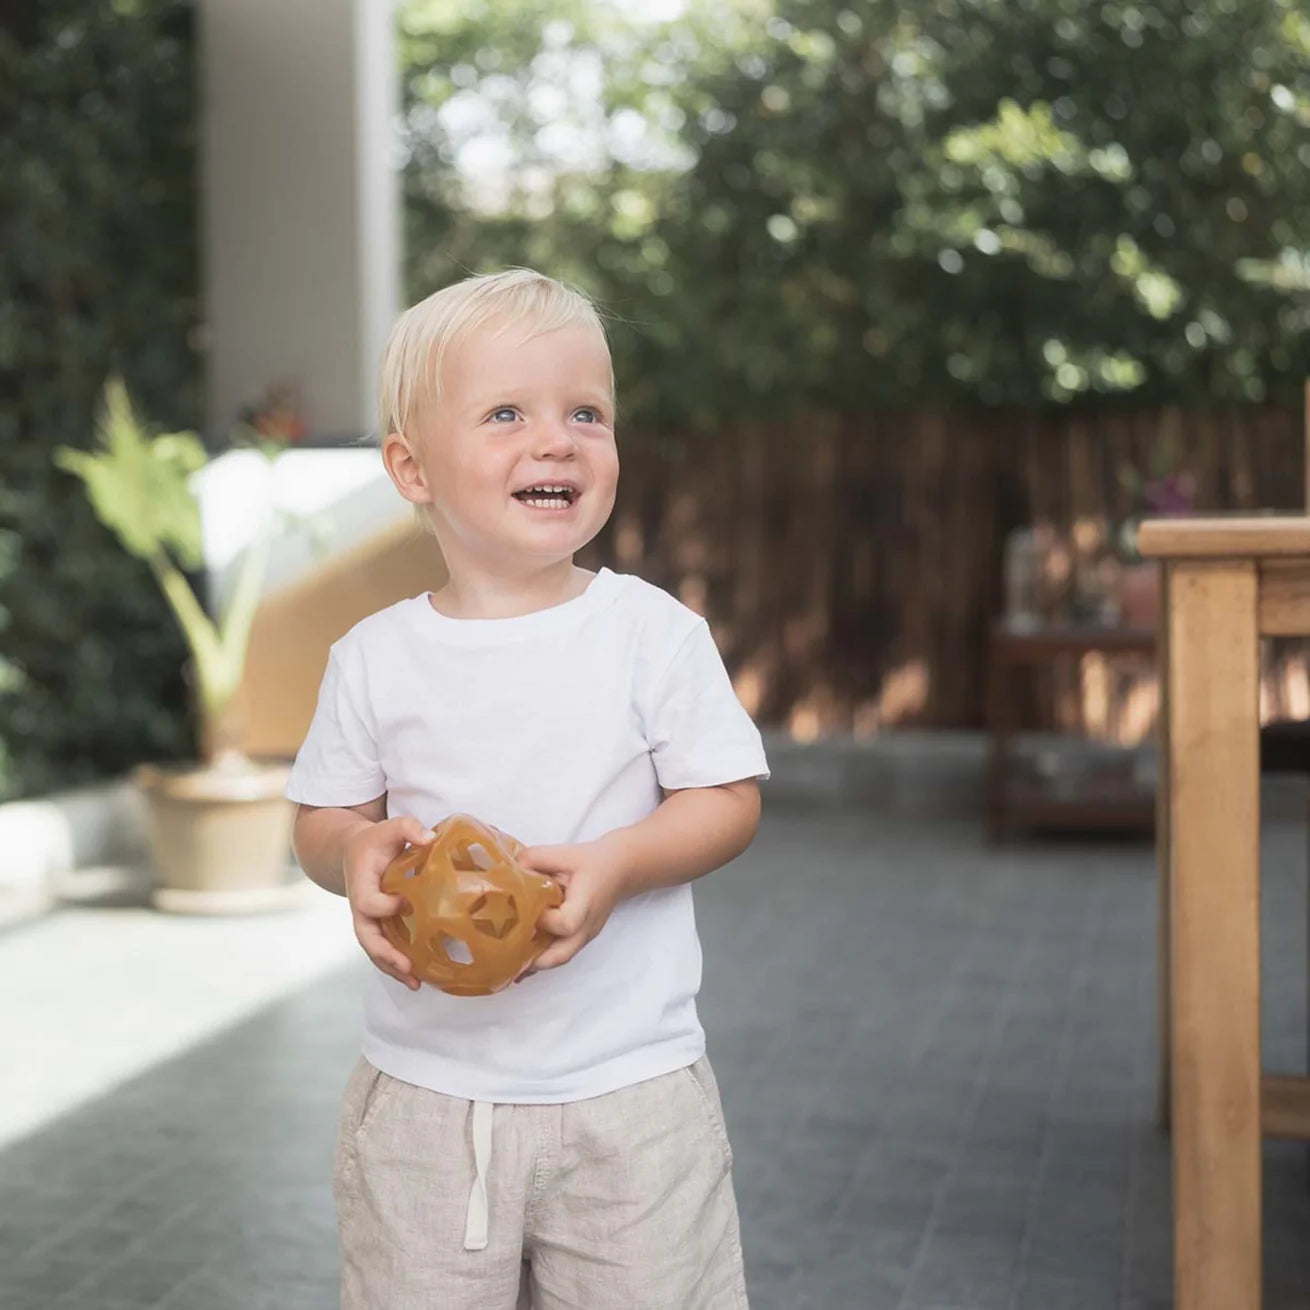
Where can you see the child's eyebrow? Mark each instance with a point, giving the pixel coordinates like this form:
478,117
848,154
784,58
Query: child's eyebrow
490,402
597,399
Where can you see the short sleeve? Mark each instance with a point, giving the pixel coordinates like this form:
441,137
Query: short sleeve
337,763
699,733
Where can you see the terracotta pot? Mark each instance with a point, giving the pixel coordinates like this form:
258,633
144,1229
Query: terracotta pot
221,838
1139,594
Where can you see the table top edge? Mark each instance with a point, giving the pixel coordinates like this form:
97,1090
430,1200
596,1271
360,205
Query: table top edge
1236,537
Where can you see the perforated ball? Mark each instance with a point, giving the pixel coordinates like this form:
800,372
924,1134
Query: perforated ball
469,925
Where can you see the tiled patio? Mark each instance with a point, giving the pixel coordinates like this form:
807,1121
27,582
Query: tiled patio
936,1060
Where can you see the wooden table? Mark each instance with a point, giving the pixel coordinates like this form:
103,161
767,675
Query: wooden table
1227,583
1010,801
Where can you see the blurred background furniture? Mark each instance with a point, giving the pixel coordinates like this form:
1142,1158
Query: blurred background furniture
1107,789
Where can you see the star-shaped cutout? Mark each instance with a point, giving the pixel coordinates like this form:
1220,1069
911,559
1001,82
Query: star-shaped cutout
494,913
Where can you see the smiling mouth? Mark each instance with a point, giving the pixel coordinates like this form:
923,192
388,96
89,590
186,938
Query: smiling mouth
548,495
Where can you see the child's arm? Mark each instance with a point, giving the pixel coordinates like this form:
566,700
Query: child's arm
692,832
320,832
346,850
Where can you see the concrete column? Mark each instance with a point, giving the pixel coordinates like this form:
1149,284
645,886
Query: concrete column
300,204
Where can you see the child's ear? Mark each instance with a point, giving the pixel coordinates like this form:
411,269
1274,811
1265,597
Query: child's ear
405,471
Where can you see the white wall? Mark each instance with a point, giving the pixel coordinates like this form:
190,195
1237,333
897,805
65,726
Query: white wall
300,209
340,498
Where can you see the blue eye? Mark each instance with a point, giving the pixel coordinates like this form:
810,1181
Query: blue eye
504,409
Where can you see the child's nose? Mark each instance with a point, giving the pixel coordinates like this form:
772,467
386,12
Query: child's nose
555,438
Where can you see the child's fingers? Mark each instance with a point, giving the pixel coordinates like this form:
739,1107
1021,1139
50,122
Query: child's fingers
383,954
397,967
414,832
546,859
376,904
394,965
374,940
407,978
562,922
560,952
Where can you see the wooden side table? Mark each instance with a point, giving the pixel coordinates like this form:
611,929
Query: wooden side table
1227,583
1012,800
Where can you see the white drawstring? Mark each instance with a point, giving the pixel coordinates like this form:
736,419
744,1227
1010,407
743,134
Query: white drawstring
475,1227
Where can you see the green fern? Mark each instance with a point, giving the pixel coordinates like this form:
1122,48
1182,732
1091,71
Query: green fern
139,486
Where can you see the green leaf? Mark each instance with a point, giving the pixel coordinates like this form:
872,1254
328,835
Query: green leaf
139,485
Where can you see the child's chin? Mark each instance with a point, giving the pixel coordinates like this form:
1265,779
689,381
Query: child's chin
555,524
563,541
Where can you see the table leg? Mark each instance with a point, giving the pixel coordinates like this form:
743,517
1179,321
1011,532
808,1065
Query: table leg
1163,859
1215,934
998,743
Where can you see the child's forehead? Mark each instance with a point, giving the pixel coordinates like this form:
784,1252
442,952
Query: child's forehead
502,345
495,335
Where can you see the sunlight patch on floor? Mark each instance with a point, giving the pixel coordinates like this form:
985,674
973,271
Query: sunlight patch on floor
92,997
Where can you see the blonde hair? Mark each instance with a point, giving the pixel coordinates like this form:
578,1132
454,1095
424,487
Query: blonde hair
410,376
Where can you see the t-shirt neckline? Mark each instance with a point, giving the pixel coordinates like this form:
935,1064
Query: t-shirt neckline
490,632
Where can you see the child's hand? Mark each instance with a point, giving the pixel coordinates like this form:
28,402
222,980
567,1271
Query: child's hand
592,888
364,859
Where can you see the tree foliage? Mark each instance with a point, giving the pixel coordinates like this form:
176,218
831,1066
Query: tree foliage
785,205
97,275
861,203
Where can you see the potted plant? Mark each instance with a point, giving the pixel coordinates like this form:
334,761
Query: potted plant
1168,492
220,827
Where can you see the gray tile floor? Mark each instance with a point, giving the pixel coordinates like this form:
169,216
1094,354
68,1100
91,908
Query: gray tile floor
936,1061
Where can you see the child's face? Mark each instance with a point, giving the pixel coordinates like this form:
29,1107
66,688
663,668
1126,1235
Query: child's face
517,417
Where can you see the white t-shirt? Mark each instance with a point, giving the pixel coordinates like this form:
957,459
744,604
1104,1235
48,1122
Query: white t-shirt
556,726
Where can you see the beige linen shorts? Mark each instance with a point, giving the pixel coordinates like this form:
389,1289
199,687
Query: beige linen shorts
619,1202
